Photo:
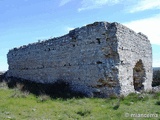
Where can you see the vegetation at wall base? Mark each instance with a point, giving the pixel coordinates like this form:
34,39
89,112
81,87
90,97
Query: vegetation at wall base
23,105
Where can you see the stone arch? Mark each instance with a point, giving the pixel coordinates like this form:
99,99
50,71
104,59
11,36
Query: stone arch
139,75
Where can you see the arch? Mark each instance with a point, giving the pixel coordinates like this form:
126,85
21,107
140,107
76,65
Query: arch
139,76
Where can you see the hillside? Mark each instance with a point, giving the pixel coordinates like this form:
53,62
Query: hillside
156,76
156,68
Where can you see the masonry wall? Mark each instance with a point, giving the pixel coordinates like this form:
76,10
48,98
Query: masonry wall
133,48
83,58
96,59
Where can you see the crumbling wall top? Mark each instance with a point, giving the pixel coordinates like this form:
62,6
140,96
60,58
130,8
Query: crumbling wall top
96,25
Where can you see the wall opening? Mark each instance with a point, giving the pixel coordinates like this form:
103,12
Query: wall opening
99,62
98,40
139,76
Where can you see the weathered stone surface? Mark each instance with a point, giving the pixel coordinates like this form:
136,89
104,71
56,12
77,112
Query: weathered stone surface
99,59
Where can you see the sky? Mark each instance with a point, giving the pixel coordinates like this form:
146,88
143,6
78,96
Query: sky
27,21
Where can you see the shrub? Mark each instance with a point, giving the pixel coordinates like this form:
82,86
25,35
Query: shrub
113,96
19,94
156,95
158,103
121,97
3,85
20,86
84,112
116,106
133,98
43,98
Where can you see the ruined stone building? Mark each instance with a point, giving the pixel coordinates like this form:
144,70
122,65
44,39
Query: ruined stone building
98,59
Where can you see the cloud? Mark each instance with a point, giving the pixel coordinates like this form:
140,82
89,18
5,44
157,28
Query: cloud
92,4
66,29
69,28
142,5
63,2
148,26
133,6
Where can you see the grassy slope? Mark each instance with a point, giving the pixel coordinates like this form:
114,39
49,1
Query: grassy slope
16,105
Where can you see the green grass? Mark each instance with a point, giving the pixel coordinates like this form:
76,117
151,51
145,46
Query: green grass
17,105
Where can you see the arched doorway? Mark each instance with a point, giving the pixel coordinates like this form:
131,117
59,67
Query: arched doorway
138,76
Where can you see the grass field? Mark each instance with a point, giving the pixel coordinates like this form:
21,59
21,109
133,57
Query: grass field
18,105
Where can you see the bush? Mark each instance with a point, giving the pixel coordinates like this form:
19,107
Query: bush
43,98
156,95
113,96
158,103
19,94
117,105
156,77
121,97
133,98
84,112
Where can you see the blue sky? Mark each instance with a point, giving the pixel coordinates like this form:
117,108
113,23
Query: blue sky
27,21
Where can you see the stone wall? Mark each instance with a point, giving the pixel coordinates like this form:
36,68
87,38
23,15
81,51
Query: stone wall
97,59
133,49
